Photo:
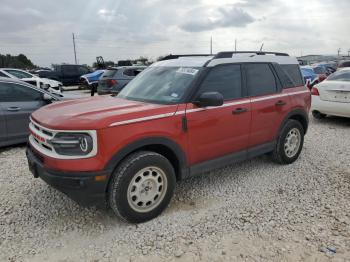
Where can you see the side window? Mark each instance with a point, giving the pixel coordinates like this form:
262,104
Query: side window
260,79
3,75
293,71
69,70
10,92
129,72
19,74
225,79
83,70
285,79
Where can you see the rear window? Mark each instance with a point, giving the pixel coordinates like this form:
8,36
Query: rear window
132,71
339,76
109,73
293,71
344,64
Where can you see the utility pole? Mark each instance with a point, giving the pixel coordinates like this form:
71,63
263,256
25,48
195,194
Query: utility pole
349,52
235,45
211,45
75,52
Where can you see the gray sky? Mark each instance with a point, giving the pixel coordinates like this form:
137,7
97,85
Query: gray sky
119,29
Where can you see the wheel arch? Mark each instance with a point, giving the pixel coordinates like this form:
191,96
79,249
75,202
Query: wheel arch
161,145
298,115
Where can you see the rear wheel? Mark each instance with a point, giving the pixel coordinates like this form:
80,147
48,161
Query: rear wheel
289,143
141,187
318,115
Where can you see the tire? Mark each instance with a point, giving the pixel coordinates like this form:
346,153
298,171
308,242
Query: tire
141,187
318,115
284,152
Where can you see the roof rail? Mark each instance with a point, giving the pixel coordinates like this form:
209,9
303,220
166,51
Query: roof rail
229,54
168,57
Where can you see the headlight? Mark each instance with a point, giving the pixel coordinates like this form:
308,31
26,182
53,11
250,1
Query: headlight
73,144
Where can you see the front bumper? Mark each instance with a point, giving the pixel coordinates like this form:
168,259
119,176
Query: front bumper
79,186
329,107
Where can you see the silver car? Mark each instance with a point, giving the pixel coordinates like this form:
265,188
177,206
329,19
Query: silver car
17,101
114,79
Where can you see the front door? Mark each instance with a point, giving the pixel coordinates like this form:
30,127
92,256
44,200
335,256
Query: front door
3,132
18,102
218,131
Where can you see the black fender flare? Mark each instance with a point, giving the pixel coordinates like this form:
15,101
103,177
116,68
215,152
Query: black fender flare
297,114
151,141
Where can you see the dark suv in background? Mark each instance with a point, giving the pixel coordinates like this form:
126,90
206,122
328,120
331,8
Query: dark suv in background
67,74
114,79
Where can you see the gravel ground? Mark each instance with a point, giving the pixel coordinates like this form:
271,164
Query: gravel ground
251,211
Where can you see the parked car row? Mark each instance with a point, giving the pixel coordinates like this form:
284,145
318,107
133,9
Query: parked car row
45,83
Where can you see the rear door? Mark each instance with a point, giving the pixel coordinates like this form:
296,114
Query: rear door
3,131
18,102
269,104
218,131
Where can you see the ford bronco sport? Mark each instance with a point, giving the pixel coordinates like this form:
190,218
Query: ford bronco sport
178,118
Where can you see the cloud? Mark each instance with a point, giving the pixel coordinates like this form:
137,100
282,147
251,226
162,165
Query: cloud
205,19
25,18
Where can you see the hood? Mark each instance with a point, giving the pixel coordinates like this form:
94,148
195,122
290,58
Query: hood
51,82
94,74
95,112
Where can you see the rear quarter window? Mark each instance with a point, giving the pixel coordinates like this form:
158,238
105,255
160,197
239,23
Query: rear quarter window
294,73
109,73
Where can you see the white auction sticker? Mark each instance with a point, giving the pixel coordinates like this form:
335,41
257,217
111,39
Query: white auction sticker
187,70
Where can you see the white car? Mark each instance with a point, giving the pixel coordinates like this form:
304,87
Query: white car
332,96
45,83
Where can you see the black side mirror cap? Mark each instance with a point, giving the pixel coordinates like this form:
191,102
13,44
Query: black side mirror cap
209,99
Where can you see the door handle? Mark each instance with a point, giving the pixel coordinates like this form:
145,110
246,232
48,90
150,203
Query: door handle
280,103
239,111
13,108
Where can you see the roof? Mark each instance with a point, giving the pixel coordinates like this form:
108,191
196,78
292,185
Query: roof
125,67
228,57
188,61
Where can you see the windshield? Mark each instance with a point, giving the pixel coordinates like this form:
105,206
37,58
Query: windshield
165,85
339,76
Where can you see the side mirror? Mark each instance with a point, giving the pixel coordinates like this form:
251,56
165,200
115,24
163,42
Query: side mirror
209,99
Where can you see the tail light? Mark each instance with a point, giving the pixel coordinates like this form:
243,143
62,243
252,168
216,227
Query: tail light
314,91
111,82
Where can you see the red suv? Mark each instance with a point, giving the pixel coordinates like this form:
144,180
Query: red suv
178,118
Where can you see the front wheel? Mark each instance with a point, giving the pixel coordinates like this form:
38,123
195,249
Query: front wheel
141,187
289,143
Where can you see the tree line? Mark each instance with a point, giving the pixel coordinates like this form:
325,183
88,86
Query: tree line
19,61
